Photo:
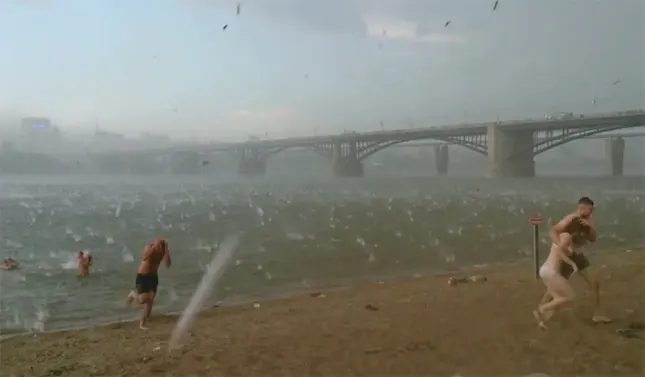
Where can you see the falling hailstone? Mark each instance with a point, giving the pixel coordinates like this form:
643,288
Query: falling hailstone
41,317
218,265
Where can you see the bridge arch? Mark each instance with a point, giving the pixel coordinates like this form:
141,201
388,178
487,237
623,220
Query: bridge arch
265,154
475,143
325,151
549,142
318,149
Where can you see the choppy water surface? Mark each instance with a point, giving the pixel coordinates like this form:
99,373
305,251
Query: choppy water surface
294,235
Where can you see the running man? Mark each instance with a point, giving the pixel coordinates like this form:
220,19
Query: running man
84,261
558,290
584,215
147,278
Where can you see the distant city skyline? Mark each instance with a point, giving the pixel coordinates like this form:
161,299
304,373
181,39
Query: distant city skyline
288,67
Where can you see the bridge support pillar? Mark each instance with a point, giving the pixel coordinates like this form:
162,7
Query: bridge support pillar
615,151
251,162
441,158
345,161
510,152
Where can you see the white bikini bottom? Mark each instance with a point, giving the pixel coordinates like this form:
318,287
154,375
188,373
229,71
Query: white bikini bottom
547,272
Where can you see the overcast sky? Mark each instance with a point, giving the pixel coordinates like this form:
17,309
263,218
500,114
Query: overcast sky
287,67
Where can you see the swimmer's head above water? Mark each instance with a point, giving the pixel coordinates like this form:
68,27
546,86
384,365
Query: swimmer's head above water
9,264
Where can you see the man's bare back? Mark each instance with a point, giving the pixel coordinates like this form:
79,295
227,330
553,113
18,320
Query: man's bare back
153,254
147,279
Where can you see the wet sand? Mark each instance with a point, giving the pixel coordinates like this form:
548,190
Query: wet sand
409,327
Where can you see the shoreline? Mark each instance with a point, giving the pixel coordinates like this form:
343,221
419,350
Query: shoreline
323,287
411,325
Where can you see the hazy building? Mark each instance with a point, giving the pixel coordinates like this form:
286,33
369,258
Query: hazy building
37,133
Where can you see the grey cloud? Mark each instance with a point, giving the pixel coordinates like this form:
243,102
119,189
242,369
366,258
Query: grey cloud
524,59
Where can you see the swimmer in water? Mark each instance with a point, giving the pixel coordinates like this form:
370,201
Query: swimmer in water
84,261
9,264
558,290
147,278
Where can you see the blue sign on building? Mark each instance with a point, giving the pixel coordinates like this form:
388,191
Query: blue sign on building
36,123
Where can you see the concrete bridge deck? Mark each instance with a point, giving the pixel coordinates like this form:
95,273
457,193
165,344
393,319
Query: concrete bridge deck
609,121
510,146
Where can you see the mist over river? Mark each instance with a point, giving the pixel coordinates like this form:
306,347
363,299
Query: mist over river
295,235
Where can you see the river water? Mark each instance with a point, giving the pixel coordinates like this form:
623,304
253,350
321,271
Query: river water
295,235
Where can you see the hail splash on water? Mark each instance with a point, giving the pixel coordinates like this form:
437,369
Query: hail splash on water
126,255
41,317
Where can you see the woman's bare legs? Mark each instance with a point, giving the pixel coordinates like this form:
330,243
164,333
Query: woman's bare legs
557,287
541,318
545,298
558,293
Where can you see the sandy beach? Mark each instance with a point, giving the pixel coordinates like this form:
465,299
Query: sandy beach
408,327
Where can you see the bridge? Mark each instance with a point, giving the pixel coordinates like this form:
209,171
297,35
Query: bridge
608,135
509,146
